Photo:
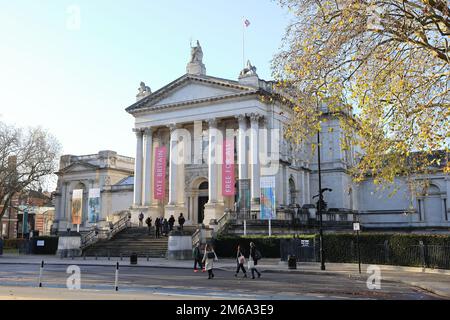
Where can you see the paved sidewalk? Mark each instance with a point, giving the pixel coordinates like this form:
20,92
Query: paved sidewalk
432,280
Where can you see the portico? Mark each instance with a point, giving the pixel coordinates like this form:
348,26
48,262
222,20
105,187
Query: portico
192,117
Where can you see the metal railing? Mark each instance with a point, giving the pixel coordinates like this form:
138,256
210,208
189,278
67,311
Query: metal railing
196,237
223,222
96,234
420,255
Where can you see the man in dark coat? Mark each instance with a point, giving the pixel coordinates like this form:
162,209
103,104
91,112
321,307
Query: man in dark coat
171,222
197,255
255,255
181,221
148,221
157,227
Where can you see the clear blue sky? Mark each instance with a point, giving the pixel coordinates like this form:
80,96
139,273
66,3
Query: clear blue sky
77,82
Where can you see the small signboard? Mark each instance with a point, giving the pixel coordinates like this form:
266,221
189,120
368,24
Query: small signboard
40,243
356,226
305,243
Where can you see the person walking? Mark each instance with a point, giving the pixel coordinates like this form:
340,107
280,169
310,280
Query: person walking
157,227
240,259
197,255
171,222
254,256
208,259
141,219
165,227
181,221
148,221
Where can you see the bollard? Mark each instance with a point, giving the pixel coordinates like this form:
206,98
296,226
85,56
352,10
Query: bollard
84,256
116,282
121,258
41,269
109,256
96,256
147,257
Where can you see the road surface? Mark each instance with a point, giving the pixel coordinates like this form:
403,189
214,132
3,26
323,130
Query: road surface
171,282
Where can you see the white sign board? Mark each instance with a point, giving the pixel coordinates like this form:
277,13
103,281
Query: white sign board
305,243
40,243
356,226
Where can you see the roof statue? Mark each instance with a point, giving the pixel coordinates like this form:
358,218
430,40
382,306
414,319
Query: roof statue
143,91
195,65
249,70
196,53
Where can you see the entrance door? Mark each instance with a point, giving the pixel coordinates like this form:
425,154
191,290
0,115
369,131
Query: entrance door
201,208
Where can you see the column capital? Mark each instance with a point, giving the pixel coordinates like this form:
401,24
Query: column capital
241,118
254,117
139,132
212,123
148,131
173,126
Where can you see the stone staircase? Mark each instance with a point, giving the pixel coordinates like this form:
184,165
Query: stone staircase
137,240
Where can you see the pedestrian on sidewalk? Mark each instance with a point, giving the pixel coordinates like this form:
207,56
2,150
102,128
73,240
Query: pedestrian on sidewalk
148,221
197,255
157,227
208,259
253,258
171,222
141,219
181,221
165,227
240,259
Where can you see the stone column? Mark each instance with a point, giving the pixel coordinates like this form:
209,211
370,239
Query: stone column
303,184
138,168
213,209
174,207
173,170
254,153
148,166
212,165
242,150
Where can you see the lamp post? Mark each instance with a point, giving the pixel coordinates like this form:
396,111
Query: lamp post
319,206
321,201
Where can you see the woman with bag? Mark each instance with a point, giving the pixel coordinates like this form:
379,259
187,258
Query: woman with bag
255,255
240,262
208,260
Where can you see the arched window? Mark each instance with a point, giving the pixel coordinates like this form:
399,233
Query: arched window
203,186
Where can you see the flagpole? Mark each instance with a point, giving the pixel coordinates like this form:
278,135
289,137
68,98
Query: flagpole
243,42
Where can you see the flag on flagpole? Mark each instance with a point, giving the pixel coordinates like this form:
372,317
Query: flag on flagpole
247,23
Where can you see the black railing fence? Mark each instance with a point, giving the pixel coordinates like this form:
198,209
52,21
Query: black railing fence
420,255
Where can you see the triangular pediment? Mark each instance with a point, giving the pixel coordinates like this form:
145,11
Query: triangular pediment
195,91
191,88
78,167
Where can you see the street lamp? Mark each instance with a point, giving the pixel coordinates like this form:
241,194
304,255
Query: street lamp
321,201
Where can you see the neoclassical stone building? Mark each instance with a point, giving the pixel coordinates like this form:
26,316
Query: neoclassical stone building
107,171
180,133
193,115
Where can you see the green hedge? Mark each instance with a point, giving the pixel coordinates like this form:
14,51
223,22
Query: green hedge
225,246
14,243
376,248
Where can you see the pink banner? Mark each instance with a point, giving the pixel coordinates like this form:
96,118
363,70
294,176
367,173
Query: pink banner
228,188
159,190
